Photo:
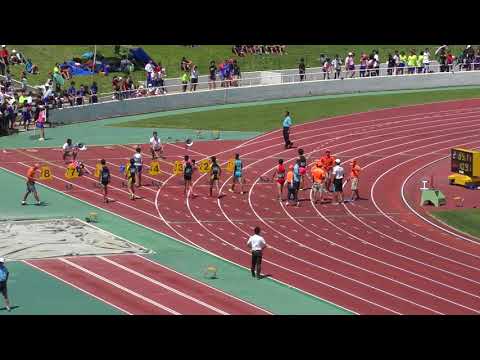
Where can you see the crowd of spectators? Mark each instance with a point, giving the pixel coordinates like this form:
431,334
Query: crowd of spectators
397,63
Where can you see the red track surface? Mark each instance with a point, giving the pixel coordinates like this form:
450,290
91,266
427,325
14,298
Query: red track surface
371,257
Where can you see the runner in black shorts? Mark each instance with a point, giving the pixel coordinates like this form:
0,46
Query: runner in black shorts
215,172
188,168
104,178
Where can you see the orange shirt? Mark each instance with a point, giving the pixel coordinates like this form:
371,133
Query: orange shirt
31,174
355,173
327,162
318,174
290,176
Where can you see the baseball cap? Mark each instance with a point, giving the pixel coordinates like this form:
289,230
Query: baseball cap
4,46
337,161
2,260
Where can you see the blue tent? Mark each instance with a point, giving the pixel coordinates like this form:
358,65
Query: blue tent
141,56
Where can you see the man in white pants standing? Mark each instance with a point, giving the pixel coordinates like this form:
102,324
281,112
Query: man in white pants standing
257,244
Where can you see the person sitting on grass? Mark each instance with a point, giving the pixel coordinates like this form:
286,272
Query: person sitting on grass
31,68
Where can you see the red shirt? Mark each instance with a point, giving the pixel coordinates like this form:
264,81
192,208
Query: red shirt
327,162
281,171
4,53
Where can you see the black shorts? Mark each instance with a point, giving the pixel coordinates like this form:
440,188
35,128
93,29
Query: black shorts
31,187
187,177
194,81
3,288
214,178
104,183
337,185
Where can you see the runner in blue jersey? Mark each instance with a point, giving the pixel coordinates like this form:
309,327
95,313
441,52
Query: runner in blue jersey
237,175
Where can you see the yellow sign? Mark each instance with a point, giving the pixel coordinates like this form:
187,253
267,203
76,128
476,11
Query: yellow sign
177,167
204,166
230,165
45,173
98,169
71,173
154,168
465,162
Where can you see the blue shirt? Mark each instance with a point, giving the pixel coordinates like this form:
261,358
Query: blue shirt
296,173
238,168
287,122
3,273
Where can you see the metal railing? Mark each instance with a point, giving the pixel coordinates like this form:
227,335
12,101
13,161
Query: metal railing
331,75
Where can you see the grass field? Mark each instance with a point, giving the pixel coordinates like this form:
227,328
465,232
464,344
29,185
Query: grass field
45,56
269,117
466,220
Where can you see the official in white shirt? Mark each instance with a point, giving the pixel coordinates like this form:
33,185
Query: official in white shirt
338,173
156,146
256,244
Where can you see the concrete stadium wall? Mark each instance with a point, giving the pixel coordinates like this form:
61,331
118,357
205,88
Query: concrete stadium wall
258,93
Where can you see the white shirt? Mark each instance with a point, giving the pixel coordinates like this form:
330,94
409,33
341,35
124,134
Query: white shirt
338,172
67,147
426,57
149,68
156,143
256,242
138,158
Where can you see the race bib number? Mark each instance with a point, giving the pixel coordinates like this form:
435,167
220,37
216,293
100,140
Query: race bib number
45,173
177,167
204,166
230,165
154,168
98,169
71,173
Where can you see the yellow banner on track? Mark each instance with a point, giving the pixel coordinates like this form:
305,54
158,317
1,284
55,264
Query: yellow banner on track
71,173
154,168
230,165
46,173
177,167
204,166
98,169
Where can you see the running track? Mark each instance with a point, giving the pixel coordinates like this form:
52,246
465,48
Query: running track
376,256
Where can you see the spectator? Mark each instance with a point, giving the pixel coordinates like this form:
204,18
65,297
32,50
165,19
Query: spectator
149,70
16,58
65,71
3,66
4,55
322,59
212,77
426,61
350,65
327,66
376,64
31,68
301,69
403,62
396,60
162,76
185,79
363,64
442,57
337,67
371,65
420,63
80,95
449,61
412,62
236,73
185,64
194,78
93,93
390,64
238,50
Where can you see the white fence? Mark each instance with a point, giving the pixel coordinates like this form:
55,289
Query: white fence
278,77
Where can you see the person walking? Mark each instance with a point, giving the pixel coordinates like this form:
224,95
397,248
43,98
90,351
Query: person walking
237,177
3,283
31,184
338,173
104,178
257,244
287,123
